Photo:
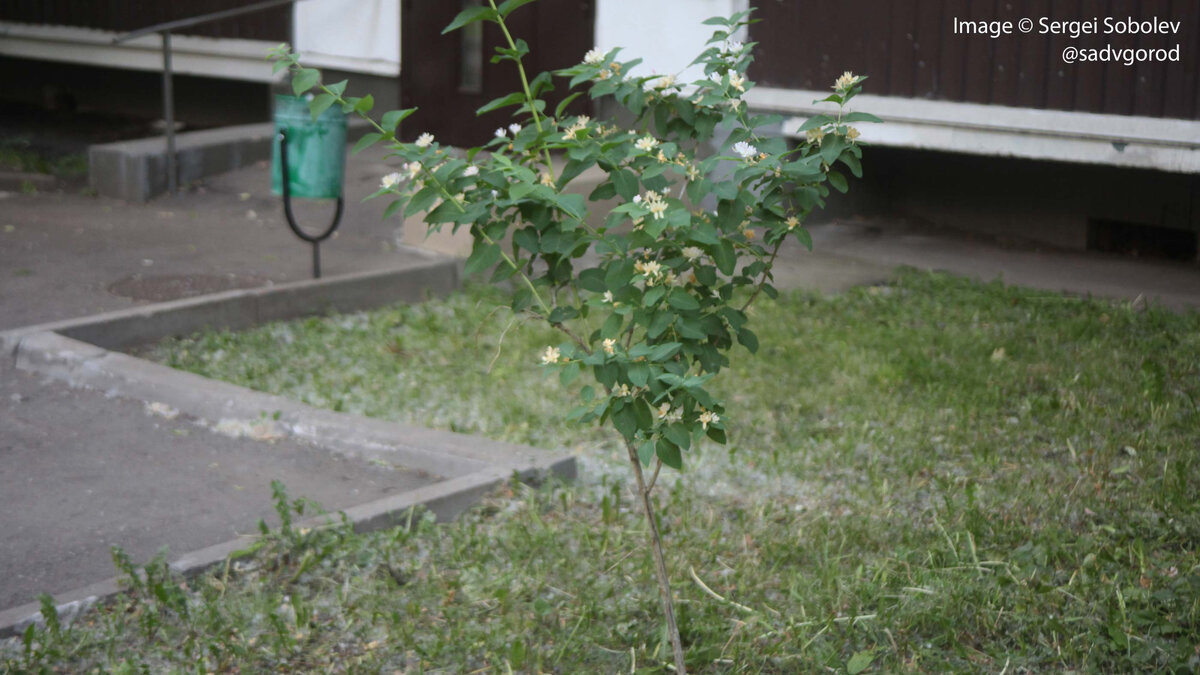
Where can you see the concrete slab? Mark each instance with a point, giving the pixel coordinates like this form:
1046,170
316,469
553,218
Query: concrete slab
82,471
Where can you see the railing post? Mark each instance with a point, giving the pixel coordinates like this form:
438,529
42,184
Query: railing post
169,113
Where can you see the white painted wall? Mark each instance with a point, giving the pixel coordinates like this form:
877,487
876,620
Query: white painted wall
667,34
361,36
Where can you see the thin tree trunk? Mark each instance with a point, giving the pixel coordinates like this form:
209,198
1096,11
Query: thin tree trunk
660,564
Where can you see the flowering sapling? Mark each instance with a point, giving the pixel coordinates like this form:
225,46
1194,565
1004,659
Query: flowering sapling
651,296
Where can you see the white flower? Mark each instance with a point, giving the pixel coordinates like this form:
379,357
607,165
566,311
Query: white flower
667,414
737,81
514,128
610,346
657,208
707,417
745,149
651,269
637,199
845,82
471,170
732,47
425,140
551,356
389,181
622,391
692,253
495,194
412,169
664,82
646,143
593,57
501,133
608,296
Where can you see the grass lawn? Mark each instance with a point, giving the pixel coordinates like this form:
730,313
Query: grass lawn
934,476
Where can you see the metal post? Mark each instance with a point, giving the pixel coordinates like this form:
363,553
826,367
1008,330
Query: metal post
169,113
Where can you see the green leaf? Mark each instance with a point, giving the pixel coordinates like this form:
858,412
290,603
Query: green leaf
669,453
683,300
645,454
569,373
515,98
625,420
838,181
338,88
527,238
618,276
572,204
562,105
366,141
653,295
508,6
482,257
716,434
859,662
305,79
725,257
677,434
626,184
659,324
612,326
592,280
851,118
393,118
392,208
320,104
561,314
421,201
832,146
471,15
639,374
364,104
748,339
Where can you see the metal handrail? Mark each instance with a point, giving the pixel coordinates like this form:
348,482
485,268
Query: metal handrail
203,18
164,29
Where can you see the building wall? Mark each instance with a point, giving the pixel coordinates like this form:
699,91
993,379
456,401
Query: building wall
909,49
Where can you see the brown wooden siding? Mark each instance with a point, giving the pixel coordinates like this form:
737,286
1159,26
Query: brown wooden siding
908,48
128,15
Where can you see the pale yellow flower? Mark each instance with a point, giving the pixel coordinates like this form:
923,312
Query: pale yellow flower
845,82
425,140
610,346
646,143
852,134
390,181
551,356
792,222
708,417
737,81
692,253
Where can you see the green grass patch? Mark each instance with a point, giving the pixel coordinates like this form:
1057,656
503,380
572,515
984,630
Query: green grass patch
933,476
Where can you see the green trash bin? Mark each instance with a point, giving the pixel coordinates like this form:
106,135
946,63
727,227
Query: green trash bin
316,153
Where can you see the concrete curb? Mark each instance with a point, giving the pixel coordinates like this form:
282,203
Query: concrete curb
78,353
136,170
240,309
